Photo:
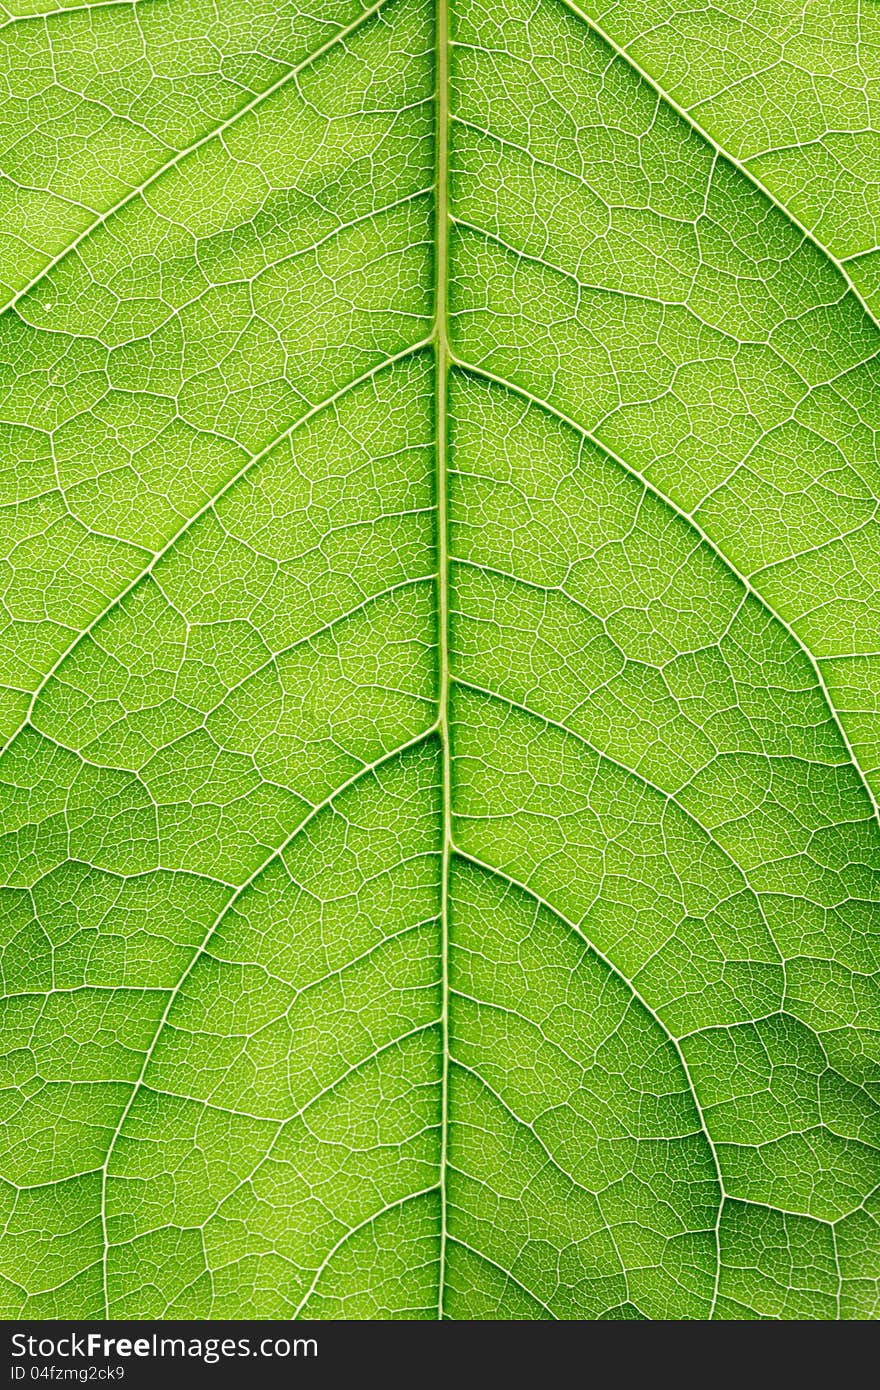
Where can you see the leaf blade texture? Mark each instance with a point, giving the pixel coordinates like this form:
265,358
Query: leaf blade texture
439,822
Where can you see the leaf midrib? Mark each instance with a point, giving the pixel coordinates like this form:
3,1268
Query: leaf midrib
441,352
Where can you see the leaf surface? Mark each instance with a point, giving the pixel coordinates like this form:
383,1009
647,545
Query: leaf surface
441,666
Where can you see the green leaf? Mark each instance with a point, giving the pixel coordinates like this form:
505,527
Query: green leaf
441,671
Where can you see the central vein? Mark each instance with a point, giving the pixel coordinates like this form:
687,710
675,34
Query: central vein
441,349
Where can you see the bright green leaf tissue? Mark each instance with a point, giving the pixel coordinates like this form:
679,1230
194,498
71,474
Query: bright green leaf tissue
441,659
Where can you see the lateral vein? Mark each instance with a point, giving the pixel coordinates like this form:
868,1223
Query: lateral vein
339,37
